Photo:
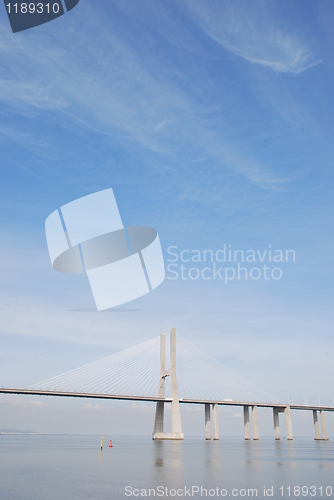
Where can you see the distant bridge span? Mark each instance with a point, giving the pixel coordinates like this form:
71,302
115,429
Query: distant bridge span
150,399
100,377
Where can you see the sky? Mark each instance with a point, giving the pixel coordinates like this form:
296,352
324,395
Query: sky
213,123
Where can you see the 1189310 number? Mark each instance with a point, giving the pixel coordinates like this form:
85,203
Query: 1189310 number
31,8
305,491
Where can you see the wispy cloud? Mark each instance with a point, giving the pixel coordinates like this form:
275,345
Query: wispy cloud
253,32
28,94
113,90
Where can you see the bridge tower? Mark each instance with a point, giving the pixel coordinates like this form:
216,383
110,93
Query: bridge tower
158,432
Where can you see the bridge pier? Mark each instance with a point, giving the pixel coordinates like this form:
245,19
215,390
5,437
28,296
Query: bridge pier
255,422
159,418
176,414
288,421
207,411
215,422
160,407
316,426
323,425
276,424
247,423
287,412
158,432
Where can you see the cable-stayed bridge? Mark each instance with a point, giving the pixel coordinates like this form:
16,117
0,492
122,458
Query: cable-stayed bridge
140,374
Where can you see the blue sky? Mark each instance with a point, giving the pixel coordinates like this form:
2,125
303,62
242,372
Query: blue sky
213,123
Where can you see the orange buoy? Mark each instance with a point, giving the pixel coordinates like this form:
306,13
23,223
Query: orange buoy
110,444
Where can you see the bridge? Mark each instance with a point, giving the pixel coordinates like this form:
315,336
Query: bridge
140,374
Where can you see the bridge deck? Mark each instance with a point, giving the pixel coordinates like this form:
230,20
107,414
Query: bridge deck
33,392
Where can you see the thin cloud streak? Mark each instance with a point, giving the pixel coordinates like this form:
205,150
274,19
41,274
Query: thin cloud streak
148,107
253,33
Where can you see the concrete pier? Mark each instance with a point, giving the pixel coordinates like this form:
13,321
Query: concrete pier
158,432
323,425
316,425
246,423
160,408
317,436
276,424
207,421
255,422
176,414
215,422
159,419
287,412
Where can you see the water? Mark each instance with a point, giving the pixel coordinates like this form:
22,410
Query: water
73,467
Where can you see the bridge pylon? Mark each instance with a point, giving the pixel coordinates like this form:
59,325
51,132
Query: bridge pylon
158,432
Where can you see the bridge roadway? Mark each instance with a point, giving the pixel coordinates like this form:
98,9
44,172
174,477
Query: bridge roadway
67,394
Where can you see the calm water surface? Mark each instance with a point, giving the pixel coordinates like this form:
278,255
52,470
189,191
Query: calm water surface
73,467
